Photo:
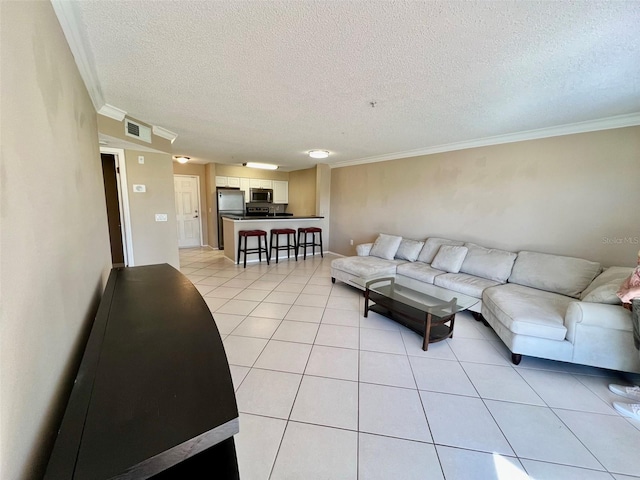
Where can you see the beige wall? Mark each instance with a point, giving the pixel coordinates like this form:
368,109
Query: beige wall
116,129
212,221
55,254
153,242
197,170
302,192
574,195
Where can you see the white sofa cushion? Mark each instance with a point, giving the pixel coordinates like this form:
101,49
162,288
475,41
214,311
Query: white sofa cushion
366,266
527,311
449,258
385,246
488,262
431,247
604,287
409,249
363,249
464,283
419,271
553,273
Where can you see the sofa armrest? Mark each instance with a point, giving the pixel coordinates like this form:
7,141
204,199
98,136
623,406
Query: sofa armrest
612,317
363,249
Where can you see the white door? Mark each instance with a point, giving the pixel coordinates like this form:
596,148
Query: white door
187,210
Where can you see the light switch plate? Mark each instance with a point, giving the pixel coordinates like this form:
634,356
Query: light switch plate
140,159
161,217
139,188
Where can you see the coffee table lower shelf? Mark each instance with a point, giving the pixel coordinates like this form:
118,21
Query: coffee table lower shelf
432,327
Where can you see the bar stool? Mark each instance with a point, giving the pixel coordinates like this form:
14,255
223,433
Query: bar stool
313,243
289,246
252,233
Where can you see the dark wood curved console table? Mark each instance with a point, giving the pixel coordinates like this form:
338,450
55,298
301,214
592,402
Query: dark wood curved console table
153,397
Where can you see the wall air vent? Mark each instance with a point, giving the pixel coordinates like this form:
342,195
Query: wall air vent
135,130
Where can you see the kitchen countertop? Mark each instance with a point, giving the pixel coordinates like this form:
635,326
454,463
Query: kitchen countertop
271,217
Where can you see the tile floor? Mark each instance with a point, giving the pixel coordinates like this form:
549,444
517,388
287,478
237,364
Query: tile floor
326,393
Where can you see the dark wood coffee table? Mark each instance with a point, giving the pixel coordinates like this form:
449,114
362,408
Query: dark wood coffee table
429,312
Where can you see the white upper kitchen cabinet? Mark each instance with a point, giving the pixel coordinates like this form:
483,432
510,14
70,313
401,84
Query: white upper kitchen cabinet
221,181
233,182
245,185
280,191
266,183
254,182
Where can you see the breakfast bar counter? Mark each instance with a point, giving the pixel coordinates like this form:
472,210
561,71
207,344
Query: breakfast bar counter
234,223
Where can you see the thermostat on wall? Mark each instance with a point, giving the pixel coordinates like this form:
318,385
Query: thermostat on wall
139,188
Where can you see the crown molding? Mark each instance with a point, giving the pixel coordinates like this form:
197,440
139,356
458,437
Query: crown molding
112,112
619,121
69,19
164,133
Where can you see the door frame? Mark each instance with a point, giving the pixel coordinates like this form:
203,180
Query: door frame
199,202
123,202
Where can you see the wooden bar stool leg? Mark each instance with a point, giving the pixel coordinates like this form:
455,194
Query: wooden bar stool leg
239,245
246,245
321,247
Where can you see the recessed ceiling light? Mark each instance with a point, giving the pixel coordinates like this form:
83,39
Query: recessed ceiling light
264,166
182,159
318,153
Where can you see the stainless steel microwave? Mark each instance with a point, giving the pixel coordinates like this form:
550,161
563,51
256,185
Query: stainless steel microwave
264,195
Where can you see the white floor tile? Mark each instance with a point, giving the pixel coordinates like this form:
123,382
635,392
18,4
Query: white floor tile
215,281
343,290
384,341
257,327
289,287
243,351
542,470
333,362
500,383
253,295
223,292
527,429
302,332
394,412
268,393
215,303
466,327
299,279
563,390
464,422
441,376
460,464
237,307
328,402
386,369
476,351
342,302
204,289
264,285
238,283
315,289
271,310
305,314
237,375
284,356
379,322
413,345
308,300
257,445
282,297
337,336
312,452
227,322
382,458
323,280
612,440
346,318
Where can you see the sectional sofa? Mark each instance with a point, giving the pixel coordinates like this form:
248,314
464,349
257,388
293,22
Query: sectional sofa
540,305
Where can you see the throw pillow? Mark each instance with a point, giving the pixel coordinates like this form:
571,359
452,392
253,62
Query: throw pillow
450,258
604,294
409,249
431,246
385,246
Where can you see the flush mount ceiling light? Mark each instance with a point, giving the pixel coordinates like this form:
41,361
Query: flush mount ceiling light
318,153
264,166
182,159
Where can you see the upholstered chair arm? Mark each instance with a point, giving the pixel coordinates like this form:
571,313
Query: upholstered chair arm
363,249
612,317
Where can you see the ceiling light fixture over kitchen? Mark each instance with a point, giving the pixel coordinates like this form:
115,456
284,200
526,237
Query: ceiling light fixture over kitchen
318,153
182,159
264,166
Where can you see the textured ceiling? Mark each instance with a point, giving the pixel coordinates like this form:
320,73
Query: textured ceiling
268,81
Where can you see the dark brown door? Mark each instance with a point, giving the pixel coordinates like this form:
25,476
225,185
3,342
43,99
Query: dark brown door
113,207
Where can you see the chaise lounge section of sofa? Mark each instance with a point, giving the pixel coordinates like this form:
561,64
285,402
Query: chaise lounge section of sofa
541,305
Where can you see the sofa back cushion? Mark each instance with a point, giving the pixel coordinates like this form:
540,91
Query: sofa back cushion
431,247
605,286
449,258
488,262
385,246
553,273
409,249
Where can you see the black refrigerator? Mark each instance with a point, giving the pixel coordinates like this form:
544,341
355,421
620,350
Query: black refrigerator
229,201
